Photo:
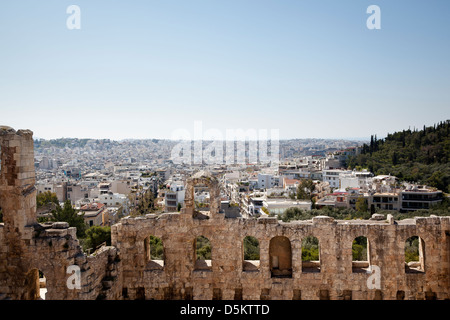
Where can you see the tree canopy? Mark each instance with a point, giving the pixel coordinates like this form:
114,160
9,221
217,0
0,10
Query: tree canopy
96,235
156,248
203,248
310,249
361,205
68,214
305,189
45,198
146,204
411,155
251,248
359,249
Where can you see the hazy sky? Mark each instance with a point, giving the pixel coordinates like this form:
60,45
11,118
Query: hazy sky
143,69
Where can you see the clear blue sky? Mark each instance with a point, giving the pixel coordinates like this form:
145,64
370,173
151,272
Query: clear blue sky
141,69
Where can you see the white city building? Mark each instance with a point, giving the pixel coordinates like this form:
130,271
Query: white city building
111,199
279,205
332,177
266,181
354,179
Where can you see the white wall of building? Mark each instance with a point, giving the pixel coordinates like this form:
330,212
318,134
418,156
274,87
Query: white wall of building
265,181
332,177
113,199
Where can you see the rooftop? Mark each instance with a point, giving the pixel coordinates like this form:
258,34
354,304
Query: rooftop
92,206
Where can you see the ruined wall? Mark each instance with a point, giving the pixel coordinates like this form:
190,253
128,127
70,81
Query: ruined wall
126,271
179,278
27,246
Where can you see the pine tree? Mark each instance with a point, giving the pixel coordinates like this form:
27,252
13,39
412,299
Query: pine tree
68,214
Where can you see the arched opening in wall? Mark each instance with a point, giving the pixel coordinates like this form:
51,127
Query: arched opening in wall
238,294
202,202
378,295
42,285
217,294
414,255
35,285
154,252
280,257
251,254
310,254
400,295
360,255
202,247
324,294
140,293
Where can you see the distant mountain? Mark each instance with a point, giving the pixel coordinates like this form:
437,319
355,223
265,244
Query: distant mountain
420,156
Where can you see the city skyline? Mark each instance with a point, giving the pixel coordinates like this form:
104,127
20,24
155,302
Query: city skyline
145,69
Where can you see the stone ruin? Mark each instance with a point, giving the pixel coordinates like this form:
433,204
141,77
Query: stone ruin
126,270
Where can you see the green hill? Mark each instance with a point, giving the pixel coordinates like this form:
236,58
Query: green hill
411,155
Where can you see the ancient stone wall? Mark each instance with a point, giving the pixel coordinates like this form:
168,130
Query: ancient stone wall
27,247
126,270
336,279
280,244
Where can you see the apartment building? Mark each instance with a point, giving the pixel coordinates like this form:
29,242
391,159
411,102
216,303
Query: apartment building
332,177
93,213
384,201
290,185
175,196
104,188
279,205
170,201
265,181
121,186
111,199
45,187
353,194
354,179
419,197
251,204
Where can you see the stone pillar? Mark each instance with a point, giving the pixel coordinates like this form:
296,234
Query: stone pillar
18,203
17,179
202,178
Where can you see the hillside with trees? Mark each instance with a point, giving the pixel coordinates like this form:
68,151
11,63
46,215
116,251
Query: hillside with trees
411,155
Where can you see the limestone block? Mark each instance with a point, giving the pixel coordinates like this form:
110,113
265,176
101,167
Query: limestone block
323,220
60,225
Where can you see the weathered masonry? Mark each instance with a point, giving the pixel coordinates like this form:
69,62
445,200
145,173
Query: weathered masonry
127,269
27,247
279,273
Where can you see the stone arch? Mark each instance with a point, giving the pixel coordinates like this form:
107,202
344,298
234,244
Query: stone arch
41,265
207,180
414,253
31,285
37,284
202,253
17,178
250,254
310,254
280,257
360,254
154,252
